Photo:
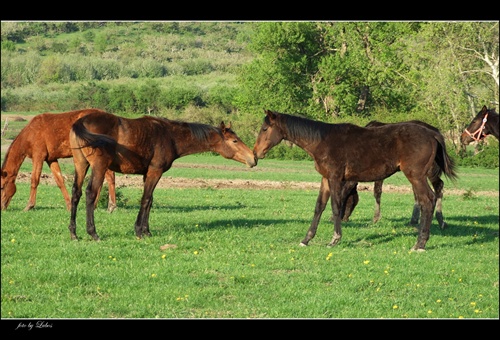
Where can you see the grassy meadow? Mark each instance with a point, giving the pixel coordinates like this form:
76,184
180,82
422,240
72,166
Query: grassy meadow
234,253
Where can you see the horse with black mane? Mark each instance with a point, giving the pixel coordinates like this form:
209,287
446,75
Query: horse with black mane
483,124
345,154
147,146
434,177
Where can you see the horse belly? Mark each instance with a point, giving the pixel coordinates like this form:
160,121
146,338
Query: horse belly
128,166
375,172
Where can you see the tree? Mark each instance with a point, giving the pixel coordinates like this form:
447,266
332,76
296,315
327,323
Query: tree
327,69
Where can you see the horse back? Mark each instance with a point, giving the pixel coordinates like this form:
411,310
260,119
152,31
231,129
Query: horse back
374,153
46,136
126,145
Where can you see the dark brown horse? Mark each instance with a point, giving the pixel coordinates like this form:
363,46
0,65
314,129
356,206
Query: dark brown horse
147,146
434,177
485,123
44,139
345,154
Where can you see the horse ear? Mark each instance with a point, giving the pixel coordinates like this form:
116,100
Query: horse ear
222,126
270,114
484,109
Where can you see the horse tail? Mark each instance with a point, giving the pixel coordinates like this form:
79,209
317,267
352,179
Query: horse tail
85,138
445,163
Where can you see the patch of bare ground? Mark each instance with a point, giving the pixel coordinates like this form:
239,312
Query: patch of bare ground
180,182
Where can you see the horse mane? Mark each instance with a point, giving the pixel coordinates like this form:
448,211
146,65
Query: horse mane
202,132
492,111
297,126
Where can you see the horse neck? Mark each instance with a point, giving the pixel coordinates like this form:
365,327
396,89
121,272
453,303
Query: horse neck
493,124
192,145
301,139
307,145
14,158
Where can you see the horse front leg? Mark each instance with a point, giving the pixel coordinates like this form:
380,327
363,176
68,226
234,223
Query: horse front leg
338,192
323,196
142,223
36,172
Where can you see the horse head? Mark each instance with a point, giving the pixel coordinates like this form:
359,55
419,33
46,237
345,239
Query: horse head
8,189
269,135
477,128
232,147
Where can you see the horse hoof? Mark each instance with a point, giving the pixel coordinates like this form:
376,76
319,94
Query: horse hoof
418,250
302,244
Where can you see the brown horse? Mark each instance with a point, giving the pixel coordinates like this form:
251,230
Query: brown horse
485,123
44,139
146,146
434,177
345,154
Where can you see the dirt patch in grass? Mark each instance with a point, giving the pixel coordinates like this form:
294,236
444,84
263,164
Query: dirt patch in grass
179,182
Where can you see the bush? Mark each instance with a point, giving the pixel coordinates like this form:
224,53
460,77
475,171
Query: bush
8,45
179,97
122,99
93,95
283,151
487,157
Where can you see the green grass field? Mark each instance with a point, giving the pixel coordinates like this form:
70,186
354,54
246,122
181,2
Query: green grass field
234,253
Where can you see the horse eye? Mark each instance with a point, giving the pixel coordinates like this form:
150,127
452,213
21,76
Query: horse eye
235,141
264,128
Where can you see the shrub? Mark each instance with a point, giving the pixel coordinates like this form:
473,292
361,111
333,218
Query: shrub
93,95
487,157
8,45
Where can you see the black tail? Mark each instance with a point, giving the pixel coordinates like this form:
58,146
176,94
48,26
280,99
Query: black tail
445,163
93,140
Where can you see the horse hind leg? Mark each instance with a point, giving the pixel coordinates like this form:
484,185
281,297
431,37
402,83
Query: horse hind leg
415,216
95,183
438,189
110,178
377,193
76,194
349,204
426,200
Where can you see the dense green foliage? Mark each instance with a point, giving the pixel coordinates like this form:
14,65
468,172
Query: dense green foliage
438,72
